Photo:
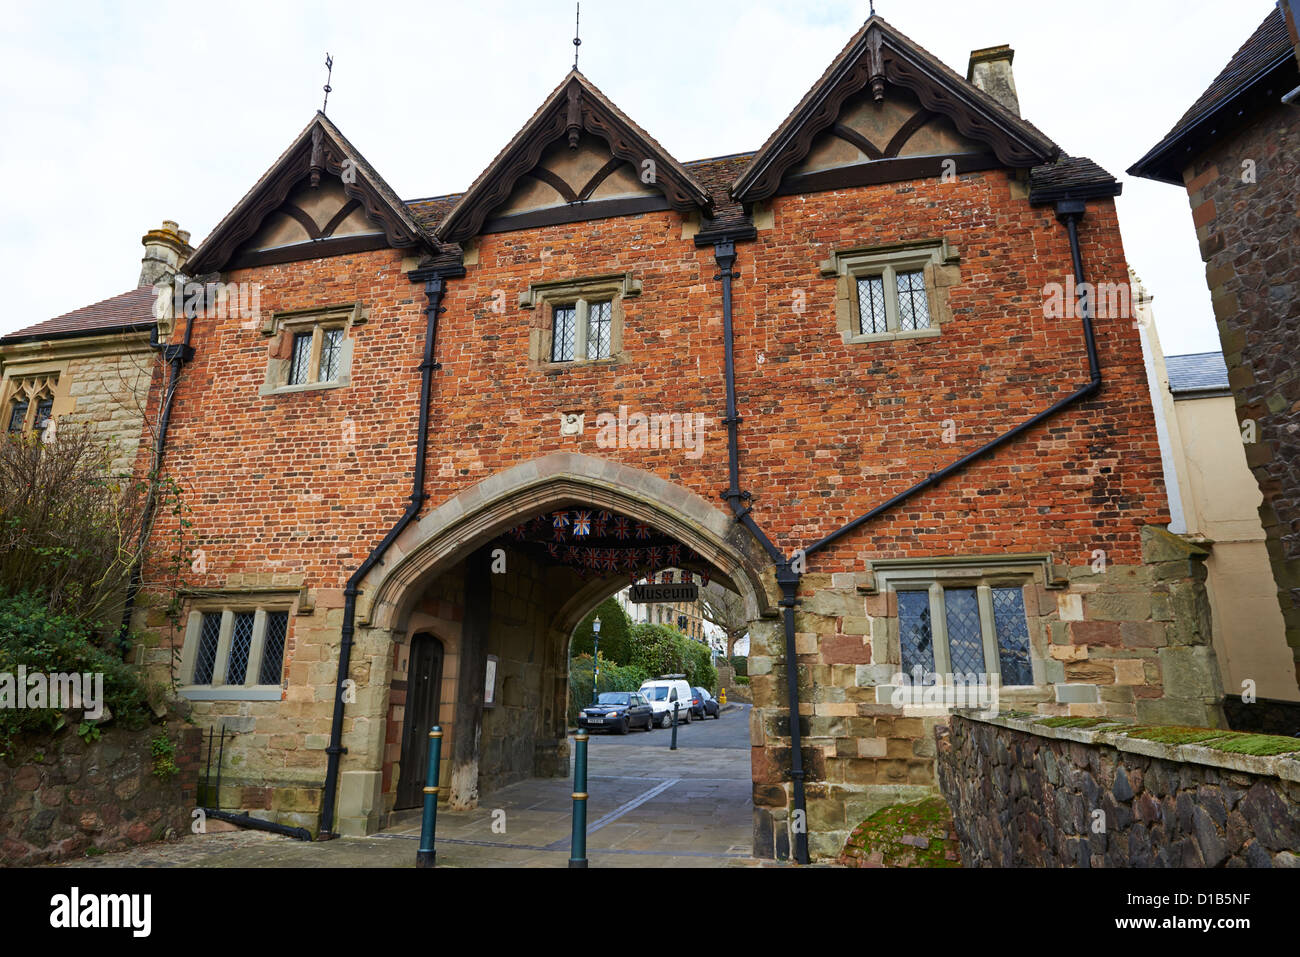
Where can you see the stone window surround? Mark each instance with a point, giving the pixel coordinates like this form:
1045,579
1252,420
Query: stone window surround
228,608
613,288
983,574
937,259
288,324
31,388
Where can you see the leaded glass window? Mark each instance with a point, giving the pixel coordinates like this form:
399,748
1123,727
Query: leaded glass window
241,642
564,335
44,411
871,305
1013,636
916,633
965,636
599,316
18,416
277,623
300,360
331,348
913,306
206,657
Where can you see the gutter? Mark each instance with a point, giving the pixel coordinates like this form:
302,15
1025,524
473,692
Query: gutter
434,277
789,571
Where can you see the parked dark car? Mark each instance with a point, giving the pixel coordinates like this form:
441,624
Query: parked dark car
617,711
704,704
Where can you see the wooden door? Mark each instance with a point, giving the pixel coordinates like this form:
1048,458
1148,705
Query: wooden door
423,691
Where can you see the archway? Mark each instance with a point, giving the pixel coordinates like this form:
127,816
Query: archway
460,573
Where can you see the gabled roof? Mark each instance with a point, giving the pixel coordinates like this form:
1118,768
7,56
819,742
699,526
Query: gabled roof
320,148
1196,373
1268,56
574,106
131,311
878,53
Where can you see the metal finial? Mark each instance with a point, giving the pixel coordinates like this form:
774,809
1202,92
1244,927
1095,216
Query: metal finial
577,33
873,7
329,67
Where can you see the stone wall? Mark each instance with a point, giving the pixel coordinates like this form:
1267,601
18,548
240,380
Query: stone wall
63,797
1027,794
1125,641
1245,220
107,395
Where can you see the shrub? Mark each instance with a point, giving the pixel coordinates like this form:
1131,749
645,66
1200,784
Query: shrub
740,663
59,642
660,650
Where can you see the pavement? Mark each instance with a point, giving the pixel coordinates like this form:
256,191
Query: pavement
649,806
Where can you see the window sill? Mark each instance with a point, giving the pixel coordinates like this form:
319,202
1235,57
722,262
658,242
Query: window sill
306,387
852,340
555,368
231,693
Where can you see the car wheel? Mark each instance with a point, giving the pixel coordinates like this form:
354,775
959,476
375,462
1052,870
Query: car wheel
718,713
622,728
666,720
650,722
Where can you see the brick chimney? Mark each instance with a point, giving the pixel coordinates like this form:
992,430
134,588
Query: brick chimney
1291,10
990,70
165,251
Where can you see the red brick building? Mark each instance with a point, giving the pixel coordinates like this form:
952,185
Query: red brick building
845,374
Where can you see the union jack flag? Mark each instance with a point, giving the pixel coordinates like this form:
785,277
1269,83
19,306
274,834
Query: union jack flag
620,527
652,556
610,562
559,533
675,554
602,523
518,532
642,530
571,555
631,558
686,578
561,519
582,524
704,578
553,550
591,557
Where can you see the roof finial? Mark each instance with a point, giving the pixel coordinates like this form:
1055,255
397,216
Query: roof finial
329,67
873,7
577,33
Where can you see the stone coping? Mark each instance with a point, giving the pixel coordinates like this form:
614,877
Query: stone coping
1111,733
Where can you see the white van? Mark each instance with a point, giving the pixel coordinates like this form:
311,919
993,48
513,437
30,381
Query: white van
666,694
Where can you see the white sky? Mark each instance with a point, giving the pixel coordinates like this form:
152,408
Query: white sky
115,116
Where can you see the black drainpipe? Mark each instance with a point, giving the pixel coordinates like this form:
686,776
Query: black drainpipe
1070,212
434,278
176,356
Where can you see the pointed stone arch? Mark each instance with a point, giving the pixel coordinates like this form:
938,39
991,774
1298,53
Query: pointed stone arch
480,513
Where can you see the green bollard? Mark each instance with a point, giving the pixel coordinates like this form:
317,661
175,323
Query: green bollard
578,843
426,856
676,705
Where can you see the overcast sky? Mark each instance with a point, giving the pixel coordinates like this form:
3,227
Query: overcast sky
115,116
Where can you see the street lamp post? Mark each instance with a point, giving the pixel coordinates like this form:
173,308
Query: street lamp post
595,675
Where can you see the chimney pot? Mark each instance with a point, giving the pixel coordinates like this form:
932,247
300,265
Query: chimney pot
990,70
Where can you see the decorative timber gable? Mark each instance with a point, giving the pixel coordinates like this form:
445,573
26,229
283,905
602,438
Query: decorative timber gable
887,110
579,157
320,198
